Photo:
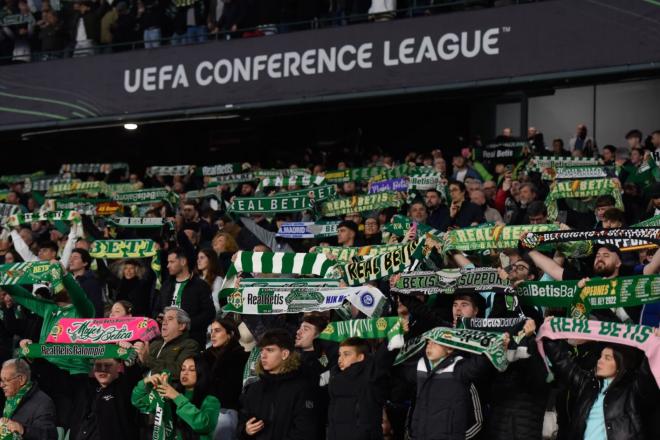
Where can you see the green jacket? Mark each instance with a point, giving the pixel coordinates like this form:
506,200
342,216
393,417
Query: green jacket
80,307
201,420
169,356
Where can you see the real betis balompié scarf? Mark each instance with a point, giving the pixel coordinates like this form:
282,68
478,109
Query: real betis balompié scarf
370,202
382,265
583,172
87,351
489,237
629,238
43,216
265,205
318,193
138,248
229,179
140,222
425,181
163,416
222,169
598,293
473,341
146,196
450,280
43,184
308,229
278,300
399,225
384,327
638,336
287,181
363,174
275,263
347,254
12,402
568,189
77,187
282,172
33,272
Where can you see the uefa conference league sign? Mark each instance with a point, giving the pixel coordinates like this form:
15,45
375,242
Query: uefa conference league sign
455,50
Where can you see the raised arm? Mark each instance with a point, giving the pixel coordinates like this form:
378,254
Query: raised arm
22,248
78,297
547,265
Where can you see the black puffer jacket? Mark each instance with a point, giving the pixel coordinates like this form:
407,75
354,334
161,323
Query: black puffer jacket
626,399
227,364
357,396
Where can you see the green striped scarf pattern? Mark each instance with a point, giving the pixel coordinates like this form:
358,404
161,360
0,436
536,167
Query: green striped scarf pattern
363,203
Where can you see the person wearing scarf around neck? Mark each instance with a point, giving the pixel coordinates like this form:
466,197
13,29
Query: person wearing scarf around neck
195,410
28,411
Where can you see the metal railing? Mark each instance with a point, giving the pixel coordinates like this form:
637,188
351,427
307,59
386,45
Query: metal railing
417,8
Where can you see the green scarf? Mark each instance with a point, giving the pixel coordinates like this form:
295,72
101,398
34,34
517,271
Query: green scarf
147,196
219,170
400,225
12,402
122,187
282,172
279,300
229,179
178,292
370,202
140,222
426,181
347,254
582,172
364,174
599,293
385,327
163,418
653,221
7,209
43,184
15,178
410,349
489,237
33,272
319,193
77,351
250,370
580,189
472,341
43,216
275,263
139,248
203,193
287,181
270,205
380,266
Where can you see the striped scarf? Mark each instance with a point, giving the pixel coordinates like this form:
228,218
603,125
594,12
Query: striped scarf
287,181
274,263
567,189
53,216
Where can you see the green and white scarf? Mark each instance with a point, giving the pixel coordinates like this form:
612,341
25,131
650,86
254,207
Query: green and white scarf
33,272
78,187
585,172
364,174
269,205
385,327
425,181
275,263
229,179
318,193
282,172
203,193
92,168
598,293
250,370
139,248
541,163
43,216
122,187
380,266
77,351
279,300
287,181
282,283
347,254
163,418
399,225
11,404
473,341
146,196
370,202
653,221
44,184
489,237
308,229
581,189
171,170
228,168
15,178
449,280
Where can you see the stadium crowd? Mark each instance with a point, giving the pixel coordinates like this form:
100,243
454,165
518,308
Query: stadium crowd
338,300
46,29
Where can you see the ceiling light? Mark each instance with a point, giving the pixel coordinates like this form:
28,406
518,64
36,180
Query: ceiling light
130,126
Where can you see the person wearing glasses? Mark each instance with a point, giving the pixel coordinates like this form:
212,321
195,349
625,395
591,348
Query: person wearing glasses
28,411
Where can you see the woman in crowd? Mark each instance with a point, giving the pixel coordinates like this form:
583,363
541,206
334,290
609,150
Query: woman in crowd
133,288
224,246
226,358
121,309
208,270
194,410
372,234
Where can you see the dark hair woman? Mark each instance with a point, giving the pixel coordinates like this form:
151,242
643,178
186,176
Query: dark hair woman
610,400
194,411
227,359
208,269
